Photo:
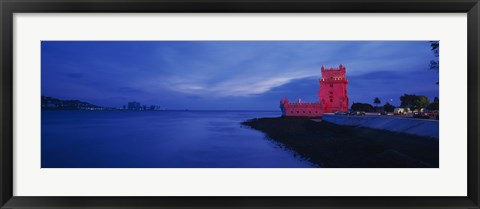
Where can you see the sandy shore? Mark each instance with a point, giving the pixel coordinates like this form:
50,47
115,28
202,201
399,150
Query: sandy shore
335,146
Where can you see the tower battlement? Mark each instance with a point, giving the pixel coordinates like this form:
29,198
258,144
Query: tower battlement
340,68
333,73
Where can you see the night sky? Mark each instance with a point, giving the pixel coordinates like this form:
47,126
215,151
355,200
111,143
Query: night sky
231,75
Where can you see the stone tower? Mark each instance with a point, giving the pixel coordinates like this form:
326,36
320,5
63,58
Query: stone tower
333,90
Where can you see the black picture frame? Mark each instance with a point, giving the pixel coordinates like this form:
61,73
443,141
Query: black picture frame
9,7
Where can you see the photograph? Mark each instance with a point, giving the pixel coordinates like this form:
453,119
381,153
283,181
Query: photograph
240,104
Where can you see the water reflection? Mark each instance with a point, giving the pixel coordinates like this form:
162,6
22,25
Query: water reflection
159,139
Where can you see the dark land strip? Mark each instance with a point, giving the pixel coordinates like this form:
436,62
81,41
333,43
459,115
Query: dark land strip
334,146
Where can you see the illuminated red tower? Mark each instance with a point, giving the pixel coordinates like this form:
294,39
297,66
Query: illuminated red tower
333,90
332,96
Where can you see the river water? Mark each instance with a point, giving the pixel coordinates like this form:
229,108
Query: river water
159,139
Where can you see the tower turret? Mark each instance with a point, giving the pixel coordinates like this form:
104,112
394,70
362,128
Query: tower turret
333,89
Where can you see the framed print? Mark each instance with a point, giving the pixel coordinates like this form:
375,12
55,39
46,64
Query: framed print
240,104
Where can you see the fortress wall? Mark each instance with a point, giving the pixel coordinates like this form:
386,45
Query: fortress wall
420,127
304,110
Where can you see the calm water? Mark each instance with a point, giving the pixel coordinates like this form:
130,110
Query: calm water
159,139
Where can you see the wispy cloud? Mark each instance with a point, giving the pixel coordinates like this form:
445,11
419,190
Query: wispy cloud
177,71
236,86
254,85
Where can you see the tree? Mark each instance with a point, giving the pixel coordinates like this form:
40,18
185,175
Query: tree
376,101
414,102
435,63
362,107
422,102
434,105
435,47
388,107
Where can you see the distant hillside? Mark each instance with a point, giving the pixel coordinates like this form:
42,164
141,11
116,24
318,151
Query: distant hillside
50,103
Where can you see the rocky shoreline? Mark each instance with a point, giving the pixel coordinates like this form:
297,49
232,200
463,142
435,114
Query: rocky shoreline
335,146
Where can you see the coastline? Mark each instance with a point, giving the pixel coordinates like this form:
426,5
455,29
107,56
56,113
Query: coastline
335,146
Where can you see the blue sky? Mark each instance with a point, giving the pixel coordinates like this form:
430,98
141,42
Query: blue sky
231,75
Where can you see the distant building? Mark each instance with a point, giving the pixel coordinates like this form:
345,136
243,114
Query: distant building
401,111
332,96
154,107
134,106
406,111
